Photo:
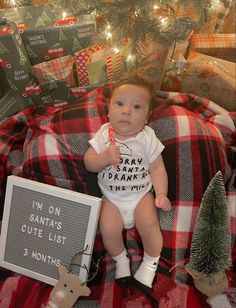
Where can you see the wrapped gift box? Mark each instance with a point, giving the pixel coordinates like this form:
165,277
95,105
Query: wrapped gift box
213,14
47,35
217,45
226,18
14,61
30,15
10,104
174,74
212,78
49,93
152,63
175,67
96,64
55,92
56,69
38,34
48,43
39,16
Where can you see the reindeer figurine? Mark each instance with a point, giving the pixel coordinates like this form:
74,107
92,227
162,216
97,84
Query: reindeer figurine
69,286
67,290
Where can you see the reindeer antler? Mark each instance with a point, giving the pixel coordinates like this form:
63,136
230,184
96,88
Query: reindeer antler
72,263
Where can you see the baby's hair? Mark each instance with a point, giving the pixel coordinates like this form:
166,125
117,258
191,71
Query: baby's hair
138,81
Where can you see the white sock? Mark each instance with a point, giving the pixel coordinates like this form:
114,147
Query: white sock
122,264
147,269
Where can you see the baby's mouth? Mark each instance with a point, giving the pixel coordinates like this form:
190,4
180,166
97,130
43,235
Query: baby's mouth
124,122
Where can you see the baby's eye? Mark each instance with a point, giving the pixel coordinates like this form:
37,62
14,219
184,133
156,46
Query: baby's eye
119,103
137,106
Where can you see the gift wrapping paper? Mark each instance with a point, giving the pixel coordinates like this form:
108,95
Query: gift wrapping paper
47,35
14,61
211,78
218,45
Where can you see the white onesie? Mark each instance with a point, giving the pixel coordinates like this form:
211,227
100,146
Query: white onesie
130,181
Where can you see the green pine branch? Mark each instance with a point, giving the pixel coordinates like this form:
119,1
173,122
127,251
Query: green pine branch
134,19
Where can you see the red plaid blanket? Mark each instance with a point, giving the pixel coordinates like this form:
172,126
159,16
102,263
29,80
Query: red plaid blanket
47,144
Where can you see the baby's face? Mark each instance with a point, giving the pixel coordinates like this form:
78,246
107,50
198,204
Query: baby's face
129,110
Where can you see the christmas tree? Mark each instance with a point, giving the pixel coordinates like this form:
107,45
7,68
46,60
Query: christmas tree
76,45
62,36
46,18
40,22
141,20
210,249
23,58
138,20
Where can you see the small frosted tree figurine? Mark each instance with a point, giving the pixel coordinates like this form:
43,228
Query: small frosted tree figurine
210,250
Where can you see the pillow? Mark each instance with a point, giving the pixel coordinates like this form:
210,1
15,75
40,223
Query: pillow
56,69
54,152
194,152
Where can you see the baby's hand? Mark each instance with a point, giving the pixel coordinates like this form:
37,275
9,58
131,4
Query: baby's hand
113,155
163,202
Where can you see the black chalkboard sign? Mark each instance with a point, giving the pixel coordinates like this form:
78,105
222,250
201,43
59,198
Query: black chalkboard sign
44,226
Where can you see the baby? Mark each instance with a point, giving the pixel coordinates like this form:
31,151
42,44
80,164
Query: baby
127,156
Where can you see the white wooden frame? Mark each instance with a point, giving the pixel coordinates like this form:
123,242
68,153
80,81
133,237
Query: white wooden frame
91,203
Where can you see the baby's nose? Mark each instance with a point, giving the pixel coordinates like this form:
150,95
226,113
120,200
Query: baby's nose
126,109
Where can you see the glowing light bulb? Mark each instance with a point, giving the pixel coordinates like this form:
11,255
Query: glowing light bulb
164,21
116,50
130,57
109,35
64,14
215,5
108,32
13,2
